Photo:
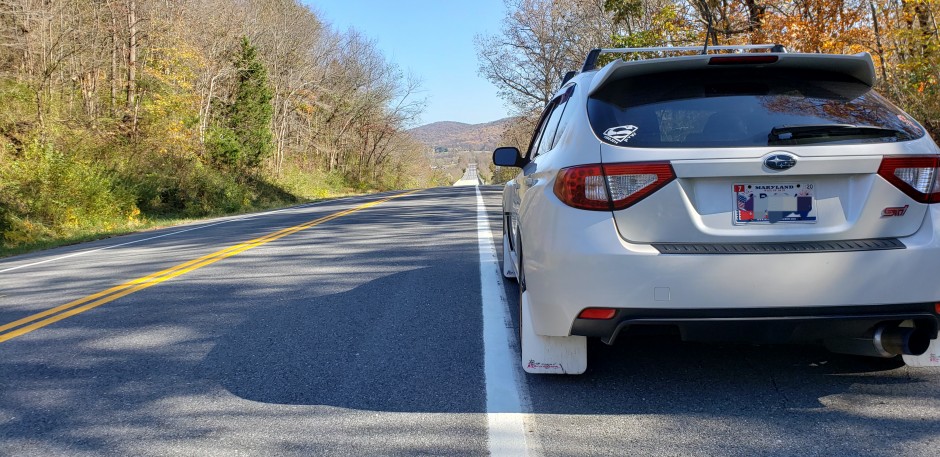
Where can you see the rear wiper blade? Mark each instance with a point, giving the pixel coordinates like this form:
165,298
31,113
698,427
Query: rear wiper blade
786,133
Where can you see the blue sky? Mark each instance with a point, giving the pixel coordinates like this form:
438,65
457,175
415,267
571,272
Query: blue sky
433,39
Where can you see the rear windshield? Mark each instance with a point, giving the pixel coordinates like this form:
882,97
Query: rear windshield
731,108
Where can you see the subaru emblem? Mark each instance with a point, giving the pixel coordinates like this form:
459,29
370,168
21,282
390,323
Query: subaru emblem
779,162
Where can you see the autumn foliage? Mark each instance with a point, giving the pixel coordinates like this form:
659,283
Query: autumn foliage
901,35
114,113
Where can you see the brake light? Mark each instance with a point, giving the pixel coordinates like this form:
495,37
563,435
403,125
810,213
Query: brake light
583,187
606,187
918,177
742,60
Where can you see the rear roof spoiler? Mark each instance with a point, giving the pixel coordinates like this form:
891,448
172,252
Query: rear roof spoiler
590,63
858,66
568,76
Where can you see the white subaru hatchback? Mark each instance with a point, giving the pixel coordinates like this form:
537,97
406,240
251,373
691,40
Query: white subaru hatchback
759,196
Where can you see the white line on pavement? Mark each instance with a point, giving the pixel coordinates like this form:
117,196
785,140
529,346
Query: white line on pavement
113,246
504,398
245,218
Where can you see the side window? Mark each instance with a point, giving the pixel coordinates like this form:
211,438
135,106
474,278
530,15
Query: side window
549,131
565,116
536,139
545,143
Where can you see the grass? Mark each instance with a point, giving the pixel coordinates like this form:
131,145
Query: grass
84,237
49,199
147,225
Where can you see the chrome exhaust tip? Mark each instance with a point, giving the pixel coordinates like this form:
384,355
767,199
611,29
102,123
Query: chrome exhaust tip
893,341
886,340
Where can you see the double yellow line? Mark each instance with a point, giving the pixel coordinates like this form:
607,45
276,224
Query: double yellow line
50,316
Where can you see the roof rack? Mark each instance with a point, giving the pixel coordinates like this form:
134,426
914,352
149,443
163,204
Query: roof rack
591,62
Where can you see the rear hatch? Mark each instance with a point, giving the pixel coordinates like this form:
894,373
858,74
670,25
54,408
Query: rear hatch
770,152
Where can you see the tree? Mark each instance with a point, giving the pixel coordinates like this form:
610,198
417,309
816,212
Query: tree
913,54
244,139
541,41
173,103
645,23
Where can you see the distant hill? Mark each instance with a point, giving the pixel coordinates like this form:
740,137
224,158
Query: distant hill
460,136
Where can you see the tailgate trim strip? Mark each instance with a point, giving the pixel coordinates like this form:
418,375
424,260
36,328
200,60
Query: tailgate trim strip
878,244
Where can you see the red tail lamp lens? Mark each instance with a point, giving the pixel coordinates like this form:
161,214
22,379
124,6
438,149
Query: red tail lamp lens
632,182
611,186
936,308
583,188
597,313
918,177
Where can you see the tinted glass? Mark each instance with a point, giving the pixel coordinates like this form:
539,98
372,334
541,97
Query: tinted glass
547,141
565,115
739,108
540,130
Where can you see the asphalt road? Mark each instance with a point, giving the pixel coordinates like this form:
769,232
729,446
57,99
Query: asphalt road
362,334
470,176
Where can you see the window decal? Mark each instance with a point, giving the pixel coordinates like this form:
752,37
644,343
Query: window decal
620,134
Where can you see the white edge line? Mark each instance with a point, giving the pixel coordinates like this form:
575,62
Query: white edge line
244,218
504,391
76,254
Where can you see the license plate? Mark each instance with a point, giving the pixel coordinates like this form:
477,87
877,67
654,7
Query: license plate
774,203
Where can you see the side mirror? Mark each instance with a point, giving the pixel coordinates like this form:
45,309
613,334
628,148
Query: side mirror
508,157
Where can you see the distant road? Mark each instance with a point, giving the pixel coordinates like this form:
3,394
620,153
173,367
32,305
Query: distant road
470,177
379,325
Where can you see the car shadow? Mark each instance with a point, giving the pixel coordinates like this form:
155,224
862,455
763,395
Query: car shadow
383,347
405,342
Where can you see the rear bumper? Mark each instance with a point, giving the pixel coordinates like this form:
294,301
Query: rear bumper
762,325
580,262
